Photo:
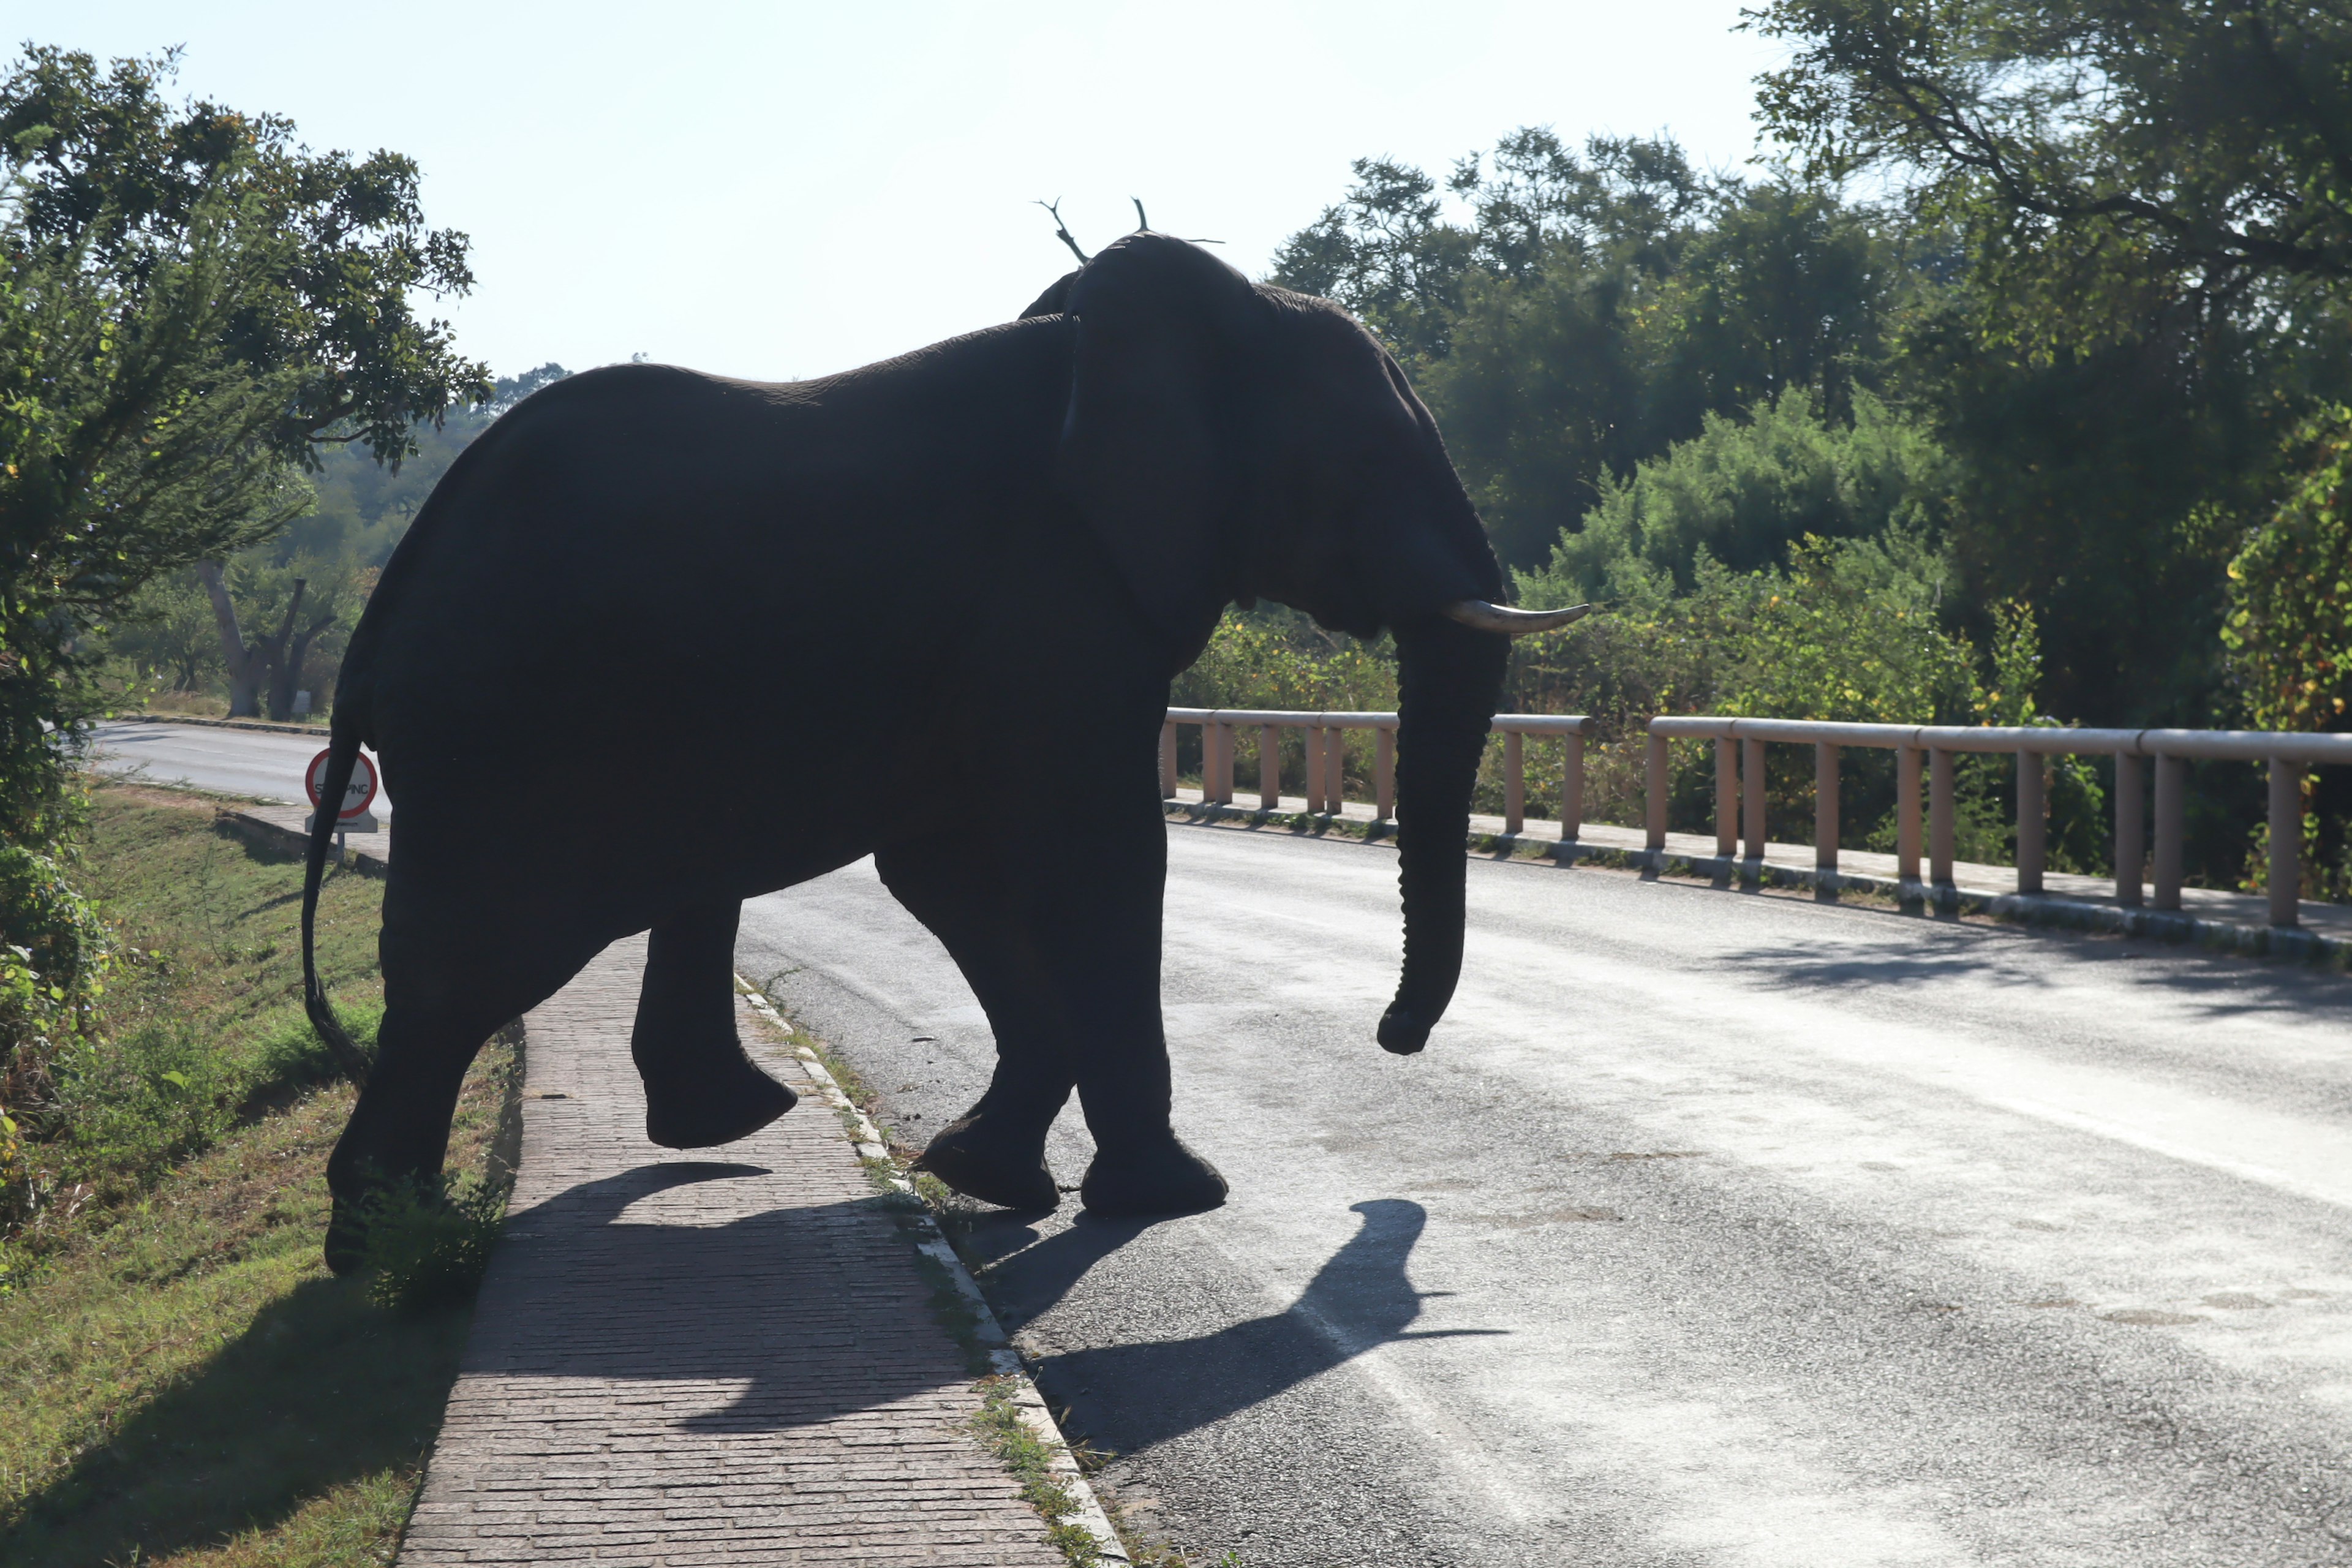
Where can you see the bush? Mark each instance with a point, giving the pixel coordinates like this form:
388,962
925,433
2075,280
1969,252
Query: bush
54,955
426,1246
1746,490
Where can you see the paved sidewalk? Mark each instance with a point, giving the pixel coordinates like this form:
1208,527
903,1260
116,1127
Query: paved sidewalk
727,1356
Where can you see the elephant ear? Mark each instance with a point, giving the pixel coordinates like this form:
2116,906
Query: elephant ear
1052,301
1149,452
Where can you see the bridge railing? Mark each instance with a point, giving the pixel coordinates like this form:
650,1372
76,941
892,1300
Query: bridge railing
1327,752
1739,791
1922,751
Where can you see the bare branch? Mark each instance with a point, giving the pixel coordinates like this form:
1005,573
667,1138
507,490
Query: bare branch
1142,223
1061,230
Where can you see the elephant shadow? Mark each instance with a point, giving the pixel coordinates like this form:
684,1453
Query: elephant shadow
578,1290
1127,1398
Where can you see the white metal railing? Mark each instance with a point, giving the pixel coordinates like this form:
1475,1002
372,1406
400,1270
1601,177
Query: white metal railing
1739,783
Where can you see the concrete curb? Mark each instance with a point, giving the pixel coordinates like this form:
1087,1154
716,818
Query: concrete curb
934,1244
370,849
2051,911
271,725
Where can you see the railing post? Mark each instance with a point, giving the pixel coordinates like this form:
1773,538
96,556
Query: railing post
1940,818
1515,782
1906,812
2286,840
1269,768
1168,760
2033,822
1572,789
1751,791
1384,772
1654,771
2131,830
1335,769
1726,798
1219,786
1314,768
2171,801
1825,806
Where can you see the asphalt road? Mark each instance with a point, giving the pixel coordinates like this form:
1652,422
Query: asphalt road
264,763
1711,1229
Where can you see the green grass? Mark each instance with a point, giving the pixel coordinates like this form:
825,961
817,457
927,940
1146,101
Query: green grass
1001,1431
181,1381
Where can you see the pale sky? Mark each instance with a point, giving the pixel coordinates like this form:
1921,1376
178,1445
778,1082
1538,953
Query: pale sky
787,189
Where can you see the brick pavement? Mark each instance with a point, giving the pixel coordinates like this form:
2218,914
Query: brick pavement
721,1356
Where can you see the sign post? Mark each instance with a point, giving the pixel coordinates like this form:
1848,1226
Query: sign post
358,796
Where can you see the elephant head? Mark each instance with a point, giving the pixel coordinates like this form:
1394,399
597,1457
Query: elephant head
1227,441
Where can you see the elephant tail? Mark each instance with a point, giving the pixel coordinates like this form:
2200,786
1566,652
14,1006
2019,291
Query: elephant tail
343,754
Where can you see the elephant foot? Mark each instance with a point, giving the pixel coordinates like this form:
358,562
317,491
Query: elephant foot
346,1245
1162,1178
706,1112
979,1167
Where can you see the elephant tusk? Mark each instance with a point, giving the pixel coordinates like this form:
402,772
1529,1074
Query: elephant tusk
1480,616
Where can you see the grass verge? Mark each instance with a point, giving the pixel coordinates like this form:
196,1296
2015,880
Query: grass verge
183,1383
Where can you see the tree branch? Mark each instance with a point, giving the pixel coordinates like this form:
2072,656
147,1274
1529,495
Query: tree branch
1061,230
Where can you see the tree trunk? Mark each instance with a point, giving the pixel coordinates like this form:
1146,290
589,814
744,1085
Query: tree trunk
247,665
284,660
298,653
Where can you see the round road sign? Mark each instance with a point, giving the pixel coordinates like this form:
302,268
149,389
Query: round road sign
356,798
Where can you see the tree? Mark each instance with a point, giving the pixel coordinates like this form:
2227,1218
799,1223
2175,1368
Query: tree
167,634
108,171
130,444
2092,149
191,306
309,600
2152,204
1588,311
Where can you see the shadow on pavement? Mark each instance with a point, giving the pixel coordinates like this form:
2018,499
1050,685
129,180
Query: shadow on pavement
2223,985
811,1313
1128,1397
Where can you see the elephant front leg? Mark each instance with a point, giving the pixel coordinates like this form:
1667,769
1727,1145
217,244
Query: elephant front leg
700,1087
1140,1167
1059,938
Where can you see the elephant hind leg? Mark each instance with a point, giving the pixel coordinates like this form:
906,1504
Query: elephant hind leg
700,1087
450,981
995,1152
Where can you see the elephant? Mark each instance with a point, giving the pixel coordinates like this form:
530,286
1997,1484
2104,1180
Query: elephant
661,641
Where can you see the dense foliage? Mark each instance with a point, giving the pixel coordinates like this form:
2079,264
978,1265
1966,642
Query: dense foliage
192,305
2077,364
167,645
193,308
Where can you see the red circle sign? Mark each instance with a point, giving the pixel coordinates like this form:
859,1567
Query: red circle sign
357,797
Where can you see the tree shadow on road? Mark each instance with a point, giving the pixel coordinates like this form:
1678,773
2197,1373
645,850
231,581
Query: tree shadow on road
1128,1397
2220,985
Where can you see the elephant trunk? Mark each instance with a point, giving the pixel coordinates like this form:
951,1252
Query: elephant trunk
1451,678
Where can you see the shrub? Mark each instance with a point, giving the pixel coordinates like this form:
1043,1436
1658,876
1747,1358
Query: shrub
426,1244
54,955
